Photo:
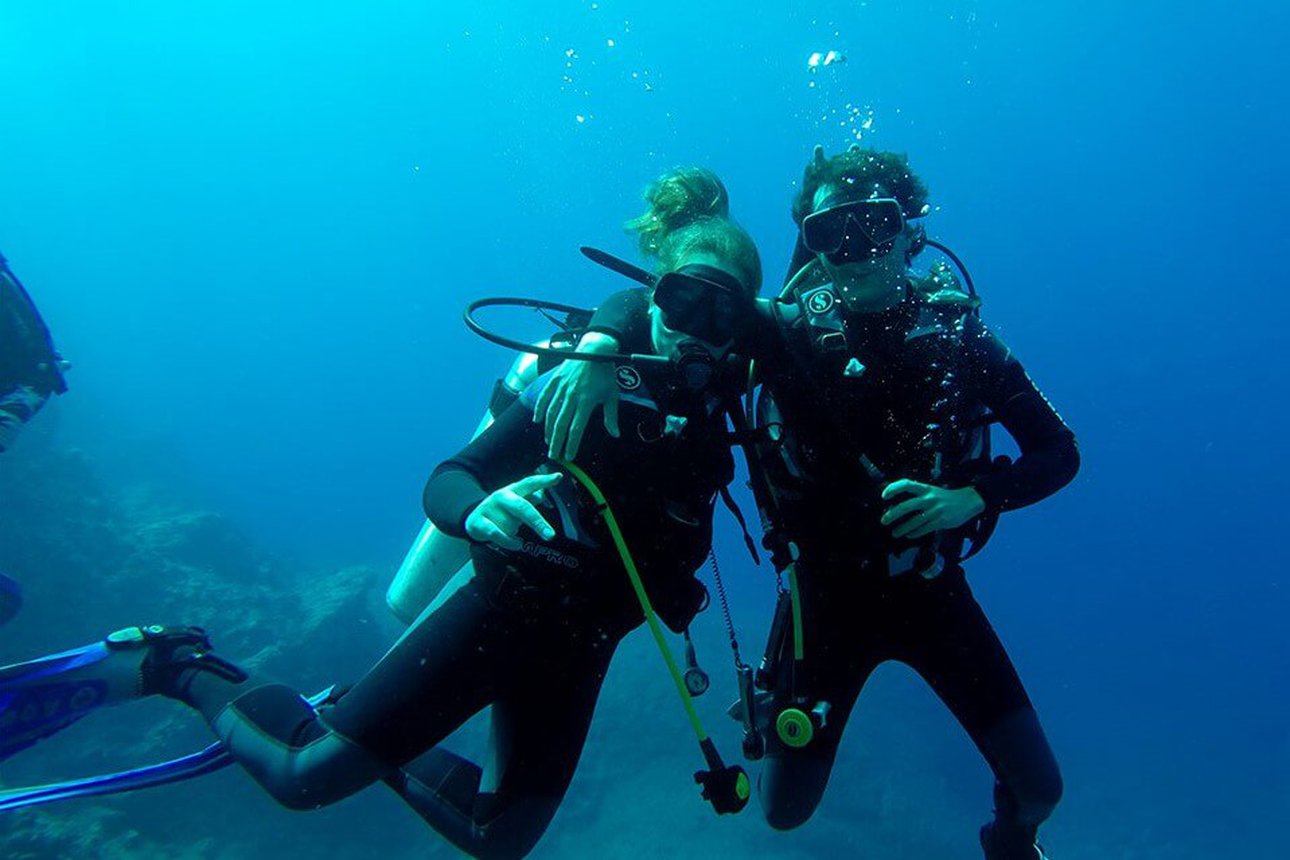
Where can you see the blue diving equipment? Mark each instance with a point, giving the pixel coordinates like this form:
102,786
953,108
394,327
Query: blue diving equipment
41,697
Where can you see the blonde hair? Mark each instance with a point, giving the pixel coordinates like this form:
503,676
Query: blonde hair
687,213
678,197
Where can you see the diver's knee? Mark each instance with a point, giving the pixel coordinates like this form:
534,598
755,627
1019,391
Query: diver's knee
1030,781
510,830
790,793
296,798
1038,795
781,817
277,738
512,845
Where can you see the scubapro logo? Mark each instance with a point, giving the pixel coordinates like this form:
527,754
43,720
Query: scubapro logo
629,379
820,301
546,553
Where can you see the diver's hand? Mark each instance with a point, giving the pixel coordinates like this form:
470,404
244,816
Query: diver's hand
497,519
928,508
572,396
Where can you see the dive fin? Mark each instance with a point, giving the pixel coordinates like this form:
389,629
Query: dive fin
42,697
208,760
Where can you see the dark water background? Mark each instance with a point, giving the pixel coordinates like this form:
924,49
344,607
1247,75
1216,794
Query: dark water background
252,229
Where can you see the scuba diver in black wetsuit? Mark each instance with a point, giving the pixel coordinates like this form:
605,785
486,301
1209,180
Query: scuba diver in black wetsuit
678,197
530,630
878,388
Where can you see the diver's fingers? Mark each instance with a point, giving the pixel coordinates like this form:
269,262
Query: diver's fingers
903,486
922,522
577,427
611,415
907,528
555,400
559,435
523,510
544,400
904,509
534,483
491,532
925,527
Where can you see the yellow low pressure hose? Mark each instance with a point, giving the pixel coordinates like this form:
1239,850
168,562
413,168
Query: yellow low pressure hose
726,788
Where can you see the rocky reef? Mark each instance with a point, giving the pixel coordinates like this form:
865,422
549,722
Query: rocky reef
94,556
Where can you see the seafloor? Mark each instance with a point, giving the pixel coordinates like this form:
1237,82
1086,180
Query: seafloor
94,557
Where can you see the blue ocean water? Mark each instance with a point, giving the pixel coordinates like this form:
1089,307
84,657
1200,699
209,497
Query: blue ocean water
252,227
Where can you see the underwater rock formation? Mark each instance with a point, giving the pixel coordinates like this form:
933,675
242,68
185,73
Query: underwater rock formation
92,558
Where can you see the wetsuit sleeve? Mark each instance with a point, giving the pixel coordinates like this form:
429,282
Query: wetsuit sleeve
509,449
1049,455
625,317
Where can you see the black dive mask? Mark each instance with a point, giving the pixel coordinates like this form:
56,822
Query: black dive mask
854,232
703,302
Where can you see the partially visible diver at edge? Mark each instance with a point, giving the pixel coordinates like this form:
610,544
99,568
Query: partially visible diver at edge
31,371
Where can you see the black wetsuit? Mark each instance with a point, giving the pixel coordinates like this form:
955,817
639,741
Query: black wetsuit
863,400
531,633
29,365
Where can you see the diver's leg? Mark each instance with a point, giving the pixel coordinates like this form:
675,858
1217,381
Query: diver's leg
953,646
1028,785
841,650
440,672
793,781
270,730
539,725
283,743
429,683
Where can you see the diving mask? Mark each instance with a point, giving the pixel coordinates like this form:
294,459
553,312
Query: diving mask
703,302
856,231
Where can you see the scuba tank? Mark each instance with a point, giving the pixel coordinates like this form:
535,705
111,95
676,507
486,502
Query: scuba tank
435,558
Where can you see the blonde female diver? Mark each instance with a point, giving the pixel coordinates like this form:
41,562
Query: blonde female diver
677,197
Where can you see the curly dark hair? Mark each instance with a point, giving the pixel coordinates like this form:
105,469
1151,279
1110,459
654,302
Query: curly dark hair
865,168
